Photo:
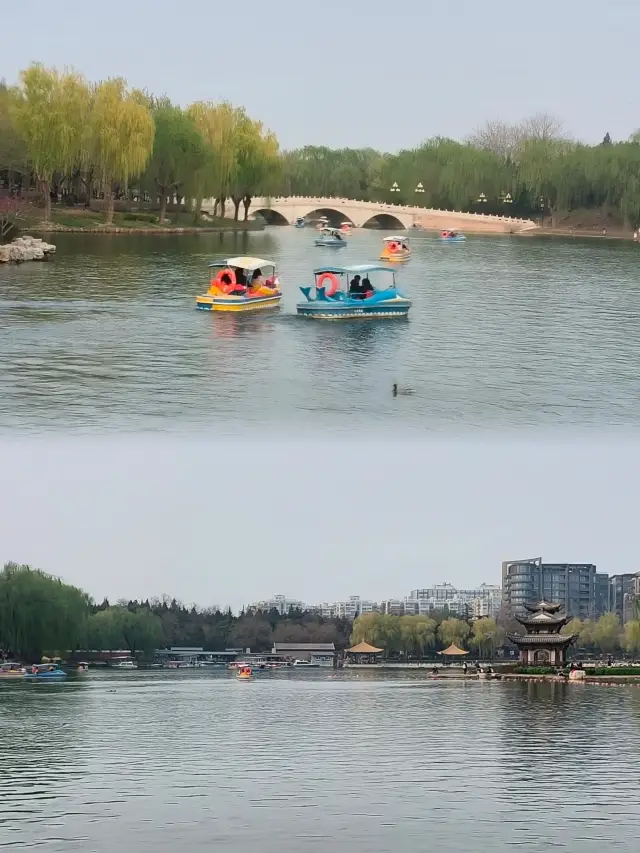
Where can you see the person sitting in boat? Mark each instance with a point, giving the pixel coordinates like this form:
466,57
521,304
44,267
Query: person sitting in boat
354,287
366,287
257,282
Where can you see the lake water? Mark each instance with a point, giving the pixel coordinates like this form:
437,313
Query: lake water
138,762
503,333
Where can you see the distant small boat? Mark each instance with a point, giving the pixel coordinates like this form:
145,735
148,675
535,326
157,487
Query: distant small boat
330,237
300,222
306,664
345,228
12,670
124,664
395,249
452,236
45,672
244,672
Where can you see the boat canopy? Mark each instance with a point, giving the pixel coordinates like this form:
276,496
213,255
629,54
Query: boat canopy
355,269
396,239
244,263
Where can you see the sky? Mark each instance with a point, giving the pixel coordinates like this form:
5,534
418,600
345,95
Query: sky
227,523
356,73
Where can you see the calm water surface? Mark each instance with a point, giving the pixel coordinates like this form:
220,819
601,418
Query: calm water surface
503,333
370,764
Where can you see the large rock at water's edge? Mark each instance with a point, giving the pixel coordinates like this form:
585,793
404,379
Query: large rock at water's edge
25,249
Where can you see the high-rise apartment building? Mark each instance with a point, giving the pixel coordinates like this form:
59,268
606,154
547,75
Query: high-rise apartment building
353,607
578,587
483,600
278,602
624,593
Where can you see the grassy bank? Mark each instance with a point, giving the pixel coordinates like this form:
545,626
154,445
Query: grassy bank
92,222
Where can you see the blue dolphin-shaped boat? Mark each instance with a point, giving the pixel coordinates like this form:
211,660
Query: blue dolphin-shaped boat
347,293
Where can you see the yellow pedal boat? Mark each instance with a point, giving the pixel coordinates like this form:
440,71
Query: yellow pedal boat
241,284
244,672
395,250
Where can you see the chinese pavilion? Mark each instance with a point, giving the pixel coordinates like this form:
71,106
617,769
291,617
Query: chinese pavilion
543,644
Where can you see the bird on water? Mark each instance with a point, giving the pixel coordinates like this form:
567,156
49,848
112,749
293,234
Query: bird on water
401,391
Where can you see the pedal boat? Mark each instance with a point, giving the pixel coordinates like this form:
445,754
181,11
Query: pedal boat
244,673
45,672
230,287
331,237
332,300
395,250
12,670
452,237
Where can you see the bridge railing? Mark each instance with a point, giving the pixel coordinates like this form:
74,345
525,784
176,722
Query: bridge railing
382,206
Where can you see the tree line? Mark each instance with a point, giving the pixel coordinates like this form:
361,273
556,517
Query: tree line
417,636
80,139
606,635
40,614
527,169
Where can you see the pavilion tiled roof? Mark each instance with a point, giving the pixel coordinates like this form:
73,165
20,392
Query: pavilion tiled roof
364,649
542,639
453,650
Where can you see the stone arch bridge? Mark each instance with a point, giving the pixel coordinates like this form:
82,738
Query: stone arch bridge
287,209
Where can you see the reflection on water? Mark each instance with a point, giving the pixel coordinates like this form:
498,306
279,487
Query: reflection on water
503,333
146,762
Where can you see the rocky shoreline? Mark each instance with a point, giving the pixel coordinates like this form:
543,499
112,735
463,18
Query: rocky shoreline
25,249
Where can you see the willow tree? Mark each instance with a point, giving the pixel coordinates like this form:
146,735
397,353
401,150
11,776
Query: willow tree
178,153
257,162
49,112
39,613
13,154
453,631
138,630
122,136
417,633
486,635
217,124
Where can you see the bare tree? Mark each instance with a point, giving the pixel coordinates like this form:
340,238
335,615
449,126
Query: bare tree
542,126
503,138
497,136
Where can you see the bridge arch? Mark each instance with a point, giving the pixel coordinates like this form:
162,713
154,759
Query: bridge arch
335,217
271,216
387,221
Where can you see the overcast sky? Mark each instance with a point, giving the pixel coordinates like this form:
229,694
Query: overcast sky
357,73
228,523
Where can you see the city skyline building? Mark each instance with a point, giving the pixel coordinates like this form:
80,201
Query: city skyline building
624,593
578,587
581,590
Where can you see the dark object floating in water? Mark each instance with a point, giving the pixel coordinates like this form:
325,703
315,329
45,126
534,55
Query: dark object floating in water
401,391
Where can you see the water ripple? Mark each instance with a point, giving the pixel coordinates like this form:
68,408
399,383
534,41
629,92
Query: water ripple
504,333
310,761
